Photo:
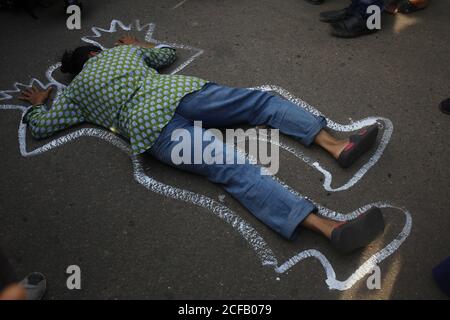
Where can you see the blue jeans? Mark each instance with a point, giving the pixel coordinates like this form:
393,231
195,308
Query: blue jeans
362,5
218,106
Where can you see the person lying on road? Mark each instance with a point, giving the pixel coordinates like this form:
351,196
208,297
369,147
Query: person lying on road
120,89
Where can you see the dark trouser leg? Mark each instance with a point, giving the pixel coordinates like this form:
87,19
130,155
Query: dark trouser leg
362,5
7,274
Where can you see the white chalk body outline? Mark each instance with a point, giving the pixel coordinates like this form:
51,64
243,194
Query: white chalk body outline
254,239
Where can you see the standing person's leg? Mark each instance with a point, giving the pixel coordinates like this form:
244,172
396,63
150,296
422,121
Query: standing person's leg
362,5
219,106
265,198
10,289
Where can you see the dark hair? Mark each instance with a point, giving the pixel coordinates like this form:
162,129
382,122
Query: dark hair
72,61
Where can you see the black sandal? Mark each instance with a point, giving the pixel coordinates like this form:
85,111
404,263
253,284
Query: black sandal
359,232
359,144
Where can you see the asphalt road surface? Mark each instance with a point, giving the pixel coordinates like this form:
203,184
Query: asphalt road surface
79,203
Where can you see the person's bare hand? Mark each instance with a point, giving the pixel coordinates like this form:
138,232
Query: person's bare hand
35,96
127,40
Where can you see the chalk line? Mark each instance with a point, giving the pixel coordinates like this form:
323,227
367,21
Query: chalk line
328,177
179,4
253,238
149,29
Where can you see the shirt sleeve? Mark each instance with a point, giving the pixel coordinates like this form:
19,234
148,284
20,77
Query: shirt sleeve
161,57
63,114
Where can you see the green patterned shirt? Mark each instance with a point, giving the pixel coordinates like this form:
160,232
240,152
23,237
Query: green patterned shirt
121,90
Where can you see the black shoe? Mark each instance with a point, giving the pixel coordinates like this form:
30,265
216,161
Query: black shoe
335,15
315,1
359,232
358,144
353,26
445,106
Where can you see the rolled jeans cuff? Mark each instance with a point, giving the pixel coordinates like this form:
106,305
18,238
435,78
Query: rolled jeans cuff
299,214
314,131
